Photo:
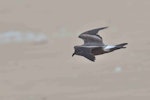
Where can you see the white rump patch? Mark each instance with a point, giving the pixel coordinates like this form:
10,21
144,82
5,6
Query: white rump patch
109,47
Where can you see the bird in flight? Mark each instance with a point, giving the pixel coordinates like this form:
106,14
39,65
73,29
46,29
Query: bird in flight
93,45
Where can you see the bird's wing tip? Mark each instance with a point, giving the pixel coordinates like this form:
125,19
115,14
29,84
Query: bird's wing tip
105,27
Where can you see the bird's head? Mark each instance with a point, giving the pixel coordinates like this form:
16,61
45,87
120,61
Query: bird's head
77,51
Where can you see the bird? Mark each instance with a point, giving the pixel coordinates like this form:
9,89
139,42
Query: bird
94,45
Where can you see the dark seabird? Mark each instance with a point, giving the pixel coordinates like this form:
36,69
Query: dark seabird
93,45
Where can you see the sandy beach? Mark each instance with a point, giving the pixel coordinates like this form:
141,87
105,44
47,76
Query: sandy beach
36,61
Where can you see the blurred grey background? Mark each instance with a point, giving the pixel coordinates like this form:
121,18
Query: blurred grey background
36,44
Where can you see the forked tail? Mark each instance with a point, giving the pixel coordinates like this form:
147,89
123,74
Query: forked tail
119,46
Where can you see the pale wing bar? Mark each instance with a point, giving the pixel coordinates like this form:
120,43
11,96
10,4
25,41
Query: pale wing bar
92,38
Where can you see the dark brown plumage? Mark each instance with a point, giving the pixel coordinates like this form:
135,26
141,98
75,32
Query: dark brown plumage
93,45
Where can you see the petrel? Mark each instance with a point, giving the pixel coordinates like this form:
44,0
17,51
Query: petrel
93,45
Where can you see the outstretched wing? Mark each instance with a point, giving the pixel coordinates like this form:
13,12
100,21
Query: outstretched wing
86,52
94,31
89,56
92,38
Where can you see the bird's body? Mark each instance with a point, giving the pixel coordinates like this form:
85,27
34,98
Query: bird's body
93,45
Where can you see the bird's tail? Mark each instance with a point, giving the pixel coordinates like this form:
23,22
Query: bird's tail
119,46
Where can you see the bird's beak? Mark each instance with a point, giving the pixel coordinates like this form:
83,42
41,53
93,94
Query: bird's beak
73,54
